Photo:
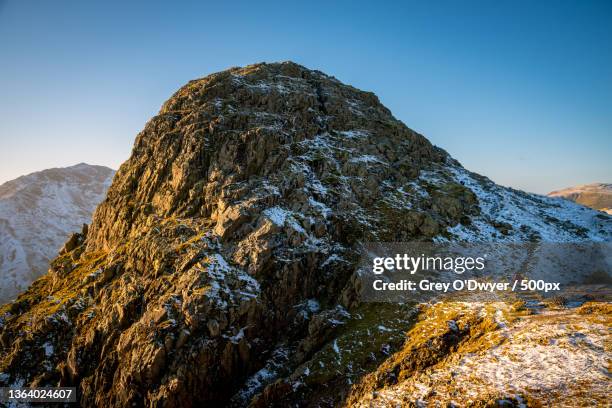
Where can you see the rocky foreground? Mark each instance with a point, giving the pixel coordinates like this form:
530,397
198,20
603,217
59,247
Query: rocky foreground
219,269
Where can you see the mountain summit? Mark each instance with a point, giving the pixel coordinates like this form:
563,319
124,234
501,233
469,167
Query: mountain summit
218,270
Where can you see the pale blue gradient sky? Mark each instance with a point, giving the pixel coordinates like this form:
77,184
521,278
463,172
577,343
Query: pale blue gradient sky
518,91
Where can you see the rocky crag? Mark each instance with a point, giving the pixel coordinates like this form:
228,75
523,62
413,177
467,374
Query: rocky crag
218,270
37,214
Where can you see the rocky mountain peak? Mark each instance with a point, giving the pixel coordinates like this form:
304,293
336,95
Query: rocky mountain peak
260,136
219,269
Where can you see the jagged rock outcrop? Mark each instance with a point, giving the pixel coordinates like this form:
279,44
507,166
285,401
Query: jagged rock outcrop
217,272
37,213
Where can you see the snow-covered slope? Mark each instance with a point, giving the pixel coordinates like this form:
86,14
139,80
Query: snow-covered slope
512,357
37,213
513,215
595,195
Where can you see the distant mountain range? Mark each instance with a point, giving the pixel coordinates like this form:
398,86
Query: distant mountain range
595,195
37,213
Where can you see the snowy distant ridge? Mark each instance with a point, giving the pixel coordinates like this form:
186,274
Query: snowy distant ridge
37,213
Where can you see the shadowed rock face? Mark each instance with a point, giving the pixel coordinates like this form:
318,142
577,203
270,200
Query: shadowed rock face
37,213
218,269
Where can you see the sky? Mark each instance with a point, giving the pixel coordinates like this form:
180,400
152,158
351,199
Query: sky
518,91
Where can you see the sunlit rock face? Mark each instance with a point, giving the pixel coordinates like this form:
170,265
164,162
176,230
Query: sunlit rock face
218,270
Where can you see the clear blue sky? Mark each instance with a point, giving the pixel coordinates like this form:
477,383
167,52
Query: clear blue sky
518,91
